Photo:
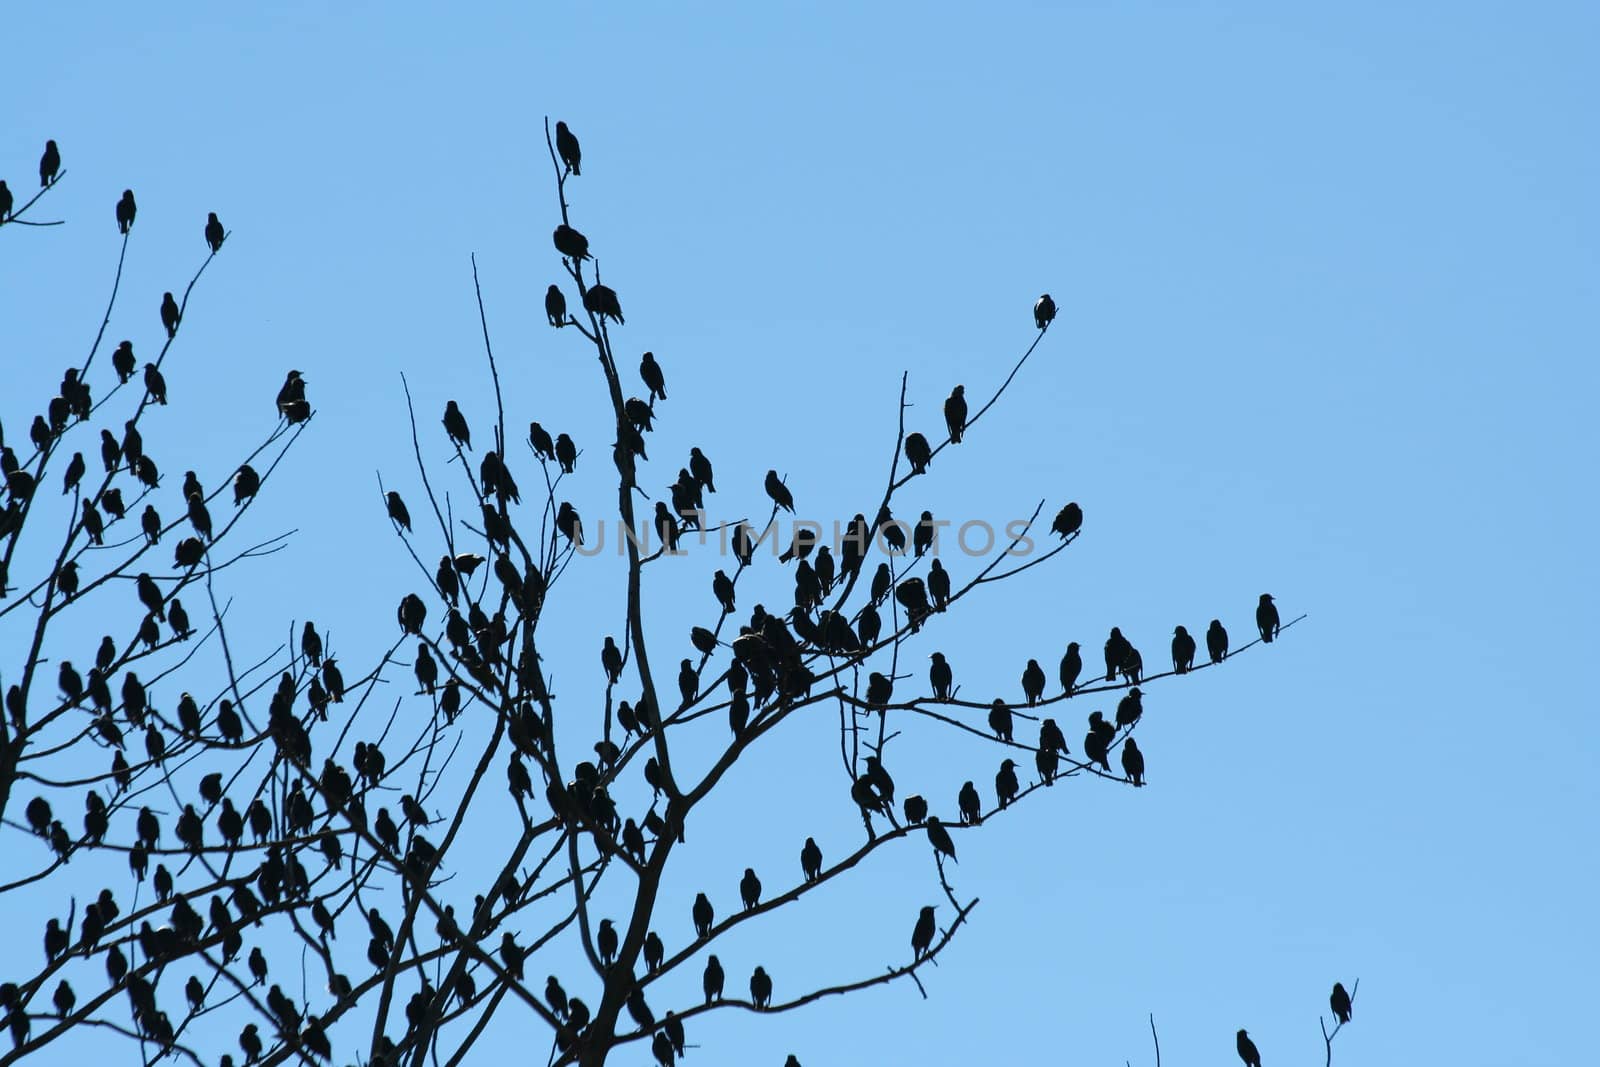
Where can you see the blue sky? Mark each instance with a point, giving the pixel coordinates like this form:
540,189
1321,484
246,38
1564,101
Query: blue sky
1326,280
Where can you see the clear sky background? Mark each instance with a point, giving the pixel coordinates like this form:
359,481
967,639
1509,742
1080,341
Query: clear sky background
1327,285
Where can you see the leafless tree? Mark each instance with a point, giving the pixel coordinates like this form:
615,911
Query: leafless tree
259,807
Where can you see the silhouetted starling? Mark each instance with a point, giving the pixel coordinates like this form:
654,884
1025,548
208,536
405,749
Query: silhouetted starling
1130,708
955,413
880,690
1005,782
939,586
1182,650
1117,649
712,980
779,492
1000,720
246,484
602,300
703,915
291,398
750,889
397,510
49,164
570,243
1340,1002
6,200
1044,311
938,836
654,380
1069,520
918,452
568,522
74,474
567,148
666,525
761,988
811,860
214,232
1097,742
150,596
1247,1050
155,386
1132,762
566,453
922,933
455,425
970,803
170,317
924,534
940,676
126,210
1217,641
1033,682
123,361
539,438
1267,618
1071,667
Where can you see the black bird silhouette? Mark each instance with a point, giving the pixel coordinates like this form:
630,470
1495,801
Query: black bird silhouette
154,384
567,148
1117,649
1069,520
1000,720
938,585
74,474
123,361
566,453
924,534
918,452
712,980
938,836
1044,311
214,232
1217,641
1267,618
1033,682
455,425
1051,738
1130,708
750,889
761,988
922,933
555,306
6,200
568,522
1005,782
602,300
650,374
1183,649
955,413
940,676
150,596
1132,762
703,915
916,809
1071,667
170,317
1339,1000
570,243
779,492
970,804
49,164
397,510
1097,742
291,400
246,484
611,660
811,860
126,210
1247,1050
700,470
539,438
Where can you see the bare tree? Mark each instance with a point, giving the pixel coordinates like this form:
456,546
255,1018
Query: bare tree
280,775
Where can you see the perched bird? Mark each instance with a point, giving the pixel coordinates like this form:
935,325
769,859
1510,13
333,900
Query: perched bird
1051,739
1247,1050
611,660
811,860
543,446
779,492
940,676
1097,742
1071,667
750,889
922,933
970,804
602,300
397,509
155,385
700,470
916,809
1069,520
1340,1002
566,453
555,306
6,201
570,243
1183,649
761,988
1117,649
291,400
1132,762
924,534
606,941
455,425
170,317
49,164
1267,618
1005,782
1000,720
1044,311
126,210
1033,682
1130,708
567,148
568,522
246,484
955,413
214,232
918,452
938,836
703,915
1217,641
712,980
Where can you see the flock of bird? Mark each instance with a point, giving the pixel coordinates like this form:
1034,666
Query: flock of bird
770,663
